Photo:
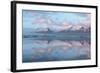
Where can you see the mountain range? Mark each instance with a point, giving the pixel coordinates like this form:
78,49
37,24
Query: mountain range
66,28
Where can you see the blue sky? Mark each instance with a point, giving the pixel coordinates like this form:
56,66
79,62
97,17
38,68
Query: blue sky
46,19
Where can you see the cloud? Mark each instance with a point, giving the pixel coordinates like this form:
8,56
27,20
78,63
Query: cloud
56,21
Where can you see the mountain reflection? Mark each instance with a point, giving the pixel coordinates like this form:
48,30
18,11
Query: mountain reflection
55,50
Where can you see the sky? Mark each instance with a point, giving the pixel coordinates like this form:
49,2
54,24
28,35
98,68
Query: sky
55,21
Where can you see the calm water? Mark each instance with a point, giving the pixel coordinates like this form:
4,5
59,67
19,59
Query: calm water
41,47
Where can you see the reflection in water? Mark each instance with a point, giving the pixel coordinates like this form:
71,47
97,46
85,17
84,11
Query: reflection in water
55,50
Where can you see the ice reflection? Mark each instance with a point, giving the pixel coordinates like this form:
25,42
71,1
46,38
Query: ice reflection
55,50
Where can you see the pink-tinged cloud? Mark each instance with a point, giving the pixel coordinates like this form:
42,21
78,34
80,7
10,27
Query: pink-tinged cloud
44,24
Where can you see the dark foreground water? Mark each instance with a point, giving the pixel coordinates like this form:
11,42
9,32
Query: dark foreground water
42,47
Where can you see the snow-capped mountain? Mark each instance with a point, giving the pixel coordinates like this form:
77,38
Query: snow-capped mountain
82,28
65,28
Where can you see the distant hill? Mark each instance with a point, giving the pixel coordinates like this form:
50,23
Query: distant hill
61,28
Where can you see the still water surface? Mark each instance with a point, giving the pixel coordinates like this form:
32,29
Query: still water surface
53,47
